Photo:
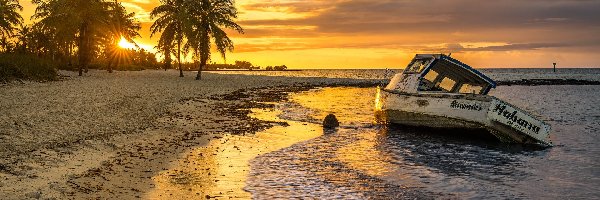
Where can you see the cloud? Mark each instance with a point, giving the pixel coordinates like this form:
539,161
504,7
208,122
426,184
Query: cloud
296,6
514,47
142,14
520,25
426,15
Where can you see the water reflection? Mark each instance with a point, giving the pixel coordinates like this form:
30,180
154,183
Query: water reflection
352,106
220,169
363,160
457,163
331,166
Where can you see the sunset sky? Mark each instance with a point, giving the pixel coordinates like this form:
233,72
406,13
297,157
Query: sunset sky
387,33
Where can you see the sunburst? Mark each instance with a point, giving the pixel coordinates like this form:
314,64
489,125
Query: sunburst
123,43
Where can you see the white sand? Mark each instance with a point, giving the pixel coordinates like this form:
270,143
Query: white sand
51,133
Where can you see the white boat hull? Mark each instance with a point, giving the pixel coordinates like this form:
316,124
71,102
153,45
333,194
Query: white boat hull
505,121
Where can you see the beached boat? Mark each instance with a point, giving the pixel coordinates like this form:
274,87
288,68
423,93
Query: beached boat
438,91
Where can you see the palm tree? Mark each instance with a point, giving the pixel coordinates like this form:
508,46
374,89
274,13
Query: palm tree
75,18
121,25
7,46
210,17
172,15
23,35
9,16
165,46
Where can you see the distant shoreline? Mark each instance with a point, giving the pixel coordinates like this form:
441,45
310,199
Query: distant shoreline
245,70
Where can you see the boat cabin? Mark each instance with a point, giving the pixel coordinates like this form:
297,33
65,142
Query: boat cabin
432,73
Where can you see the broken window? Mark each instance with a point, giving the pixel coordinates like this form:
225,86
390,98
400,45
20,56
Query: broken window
417,66
470,89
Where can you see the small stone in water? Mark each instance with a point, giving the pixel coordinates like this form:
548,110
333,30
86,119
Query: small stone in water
331,121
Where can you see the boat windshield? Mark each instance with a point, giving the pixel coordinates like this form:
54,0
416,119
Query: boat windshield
418,65
445,76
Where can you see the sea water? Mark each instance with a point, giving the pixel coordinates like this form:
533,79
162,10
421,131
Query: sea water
366,160
496,74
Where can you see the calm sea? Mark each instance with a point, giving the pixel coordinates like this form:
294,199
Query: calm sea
364,160
497,74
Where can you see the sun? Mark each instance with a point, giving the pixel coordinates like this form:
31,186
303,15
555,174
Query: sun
123,43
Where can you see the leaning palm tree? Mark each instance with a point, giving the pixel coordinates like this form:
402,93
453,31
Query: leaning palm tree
172,16
9,16
209,19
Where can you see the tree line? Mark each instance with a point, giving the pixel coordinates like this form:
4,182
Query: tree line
83,33
241,65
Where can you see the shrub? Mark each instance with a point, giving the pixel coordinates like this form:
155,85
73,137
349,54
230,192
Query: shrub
26,66
129,67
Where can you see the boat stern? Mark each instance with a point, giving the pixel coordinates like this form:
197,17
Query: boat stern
515,123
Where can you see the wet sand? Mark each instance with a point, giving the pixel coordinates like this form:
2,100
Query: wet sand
137,134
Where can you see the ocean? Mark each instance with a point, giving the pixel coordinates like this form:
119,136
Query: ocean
364,159
503,74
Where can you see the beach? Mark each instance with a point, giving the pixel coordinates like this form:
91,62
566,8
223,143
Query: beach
129,122
152,135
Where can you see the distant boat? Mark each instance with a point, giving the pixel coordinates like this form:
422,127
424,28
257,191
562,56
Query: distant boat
438,91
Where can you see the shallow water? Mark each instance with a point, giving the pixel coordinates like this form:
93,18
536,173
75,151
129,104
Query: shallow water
496,74
365,160
220,168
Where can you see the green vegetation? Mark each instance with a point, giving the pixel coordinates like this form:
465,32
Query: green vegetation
238,65
172,14
276,68
9,16
26,66
192,24
86,34
92,27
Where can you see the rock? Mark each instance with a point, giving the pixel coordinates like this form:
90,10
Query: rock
34,195
330,122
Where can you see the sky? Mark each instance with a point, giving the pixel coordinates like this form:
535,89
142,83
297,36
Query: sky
348,34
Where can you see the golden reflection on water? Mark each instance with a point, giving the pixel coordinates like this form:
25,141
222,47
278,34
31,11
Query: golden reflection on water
380,115
378,100
356,156
365,156
347,103
220,169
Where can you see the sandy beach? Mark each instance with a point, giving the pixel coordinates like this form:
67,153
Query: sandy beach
107,135
152,135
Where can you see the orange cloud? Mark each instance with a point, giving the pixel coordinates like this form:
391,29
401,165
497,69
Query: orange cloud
385,33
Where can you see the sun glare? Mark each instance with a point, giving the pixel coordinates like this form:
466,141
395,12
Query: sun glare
126,44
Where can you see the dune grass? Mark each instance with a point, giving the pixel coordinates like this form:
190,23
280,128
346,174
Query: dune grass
26,67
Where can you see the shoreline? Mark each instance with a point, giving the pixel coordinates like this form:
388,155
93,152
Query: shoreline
75,166
155,121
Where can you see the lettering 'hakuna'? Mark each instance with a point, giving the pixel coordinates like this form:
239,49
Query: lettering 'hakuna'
514,119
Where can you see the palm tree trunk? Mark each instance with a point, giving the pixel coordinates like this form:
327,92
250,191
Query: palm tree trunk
179,57
167,61
110,60
203,61
88,53
82,48
204,50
